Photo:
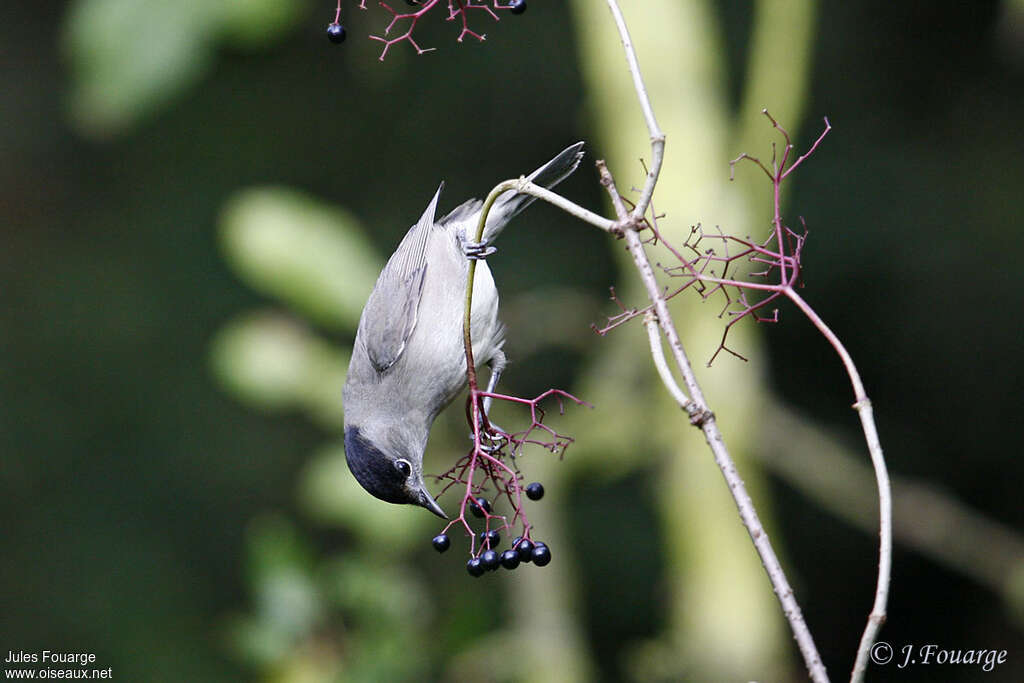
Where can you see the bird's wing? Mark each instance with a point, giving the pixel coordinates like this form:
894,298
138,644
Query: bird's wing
393,307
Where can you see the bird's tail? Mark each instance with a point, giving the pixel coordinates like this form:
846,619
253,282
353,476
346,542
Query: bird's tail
508,205
548,175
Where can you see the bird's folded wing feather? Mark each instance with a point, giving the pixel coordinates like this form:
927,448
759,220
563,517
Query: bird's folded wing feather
393,308
391,318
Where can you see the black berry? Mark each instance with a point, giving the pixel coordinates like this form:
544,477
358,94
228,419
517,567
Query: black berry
489,560
441,542
541,555
517,6
475,567
524,548
535,491
479,506
336,33
492,538
510,559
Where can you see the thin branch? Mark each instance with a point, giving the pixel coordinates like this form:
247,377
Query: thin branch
927,519
523,186
867,420
785,261
658,354
657,137
705,419
467,339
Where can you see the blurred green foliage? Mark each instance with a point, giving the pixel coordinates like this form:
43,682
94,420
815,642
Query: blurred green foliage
316,259
129,57
355,617
269,361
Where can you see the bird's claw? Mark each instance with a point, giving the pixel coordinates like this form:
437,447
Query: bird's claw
494,437
478,251
496,440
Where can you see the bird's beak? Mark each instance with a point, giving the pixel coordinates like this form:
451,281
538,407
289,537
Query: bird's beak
427,501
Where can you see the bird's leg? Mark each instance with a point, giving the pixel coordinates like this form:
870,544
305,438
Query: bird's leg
497,365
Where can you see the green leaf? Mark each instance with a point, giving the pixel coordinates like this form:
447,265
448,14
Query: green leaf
255,23
128,57
280,574
381,592
310,255
270,361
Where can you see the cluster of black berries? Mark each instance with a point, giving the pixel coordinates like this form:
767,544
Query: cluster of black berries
522,550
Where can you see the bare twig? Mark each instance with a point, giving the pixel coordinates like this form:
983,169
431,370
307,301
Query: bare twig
657,136
927,519
658,354
780,255
521,185
788,267
702,417
457,9
862,405
524,186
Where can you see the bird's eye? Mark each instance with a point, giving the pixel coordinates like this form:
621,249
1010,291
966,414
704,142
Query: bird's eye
404,467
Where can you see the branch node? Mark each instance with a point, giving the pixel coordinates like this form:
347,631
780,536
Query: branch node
699,416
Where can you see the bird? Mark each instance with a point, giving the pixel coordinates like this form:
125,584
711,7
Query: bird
408,359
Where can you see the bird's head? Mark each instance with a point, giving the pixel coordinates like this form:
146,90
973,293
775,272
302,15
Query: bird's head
387,470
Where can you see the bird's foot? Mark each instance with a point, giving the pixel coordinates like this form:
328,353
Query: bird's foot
478,251
495,439
492,439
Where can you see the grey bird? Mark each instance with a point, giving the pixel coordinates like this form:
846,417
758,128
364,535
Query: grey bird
408,362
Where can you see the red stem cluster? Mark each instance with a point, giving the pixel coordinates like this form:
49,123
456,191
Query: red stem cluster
711,270
457,9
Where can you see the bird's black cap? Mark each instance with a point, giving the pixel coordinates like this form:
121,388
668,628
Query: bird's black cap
374,471
382,476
